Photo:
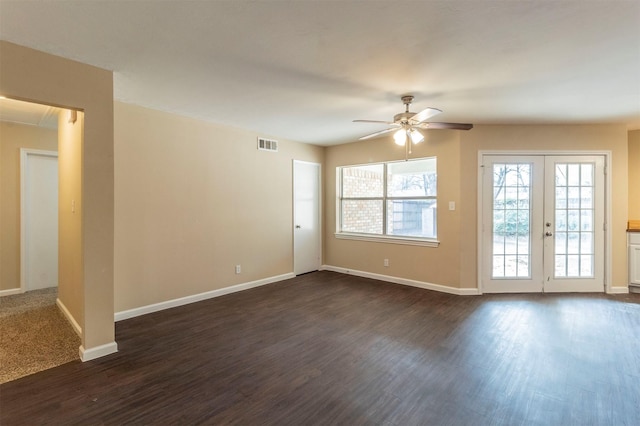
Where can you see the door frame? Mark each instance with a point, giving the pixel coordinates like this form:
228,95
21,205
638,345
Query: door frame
24,156
607,207
320,215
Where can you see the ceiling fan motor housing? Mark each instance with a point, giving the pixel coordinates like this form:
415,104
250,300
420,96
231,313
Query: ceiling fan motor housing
403,117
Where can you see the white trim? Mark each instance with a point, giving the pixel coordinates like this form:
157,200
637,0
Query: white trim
10,292
404,281
98,351
480,222
69,317
155,307
388,239
608,234
617,290
24,153
608,237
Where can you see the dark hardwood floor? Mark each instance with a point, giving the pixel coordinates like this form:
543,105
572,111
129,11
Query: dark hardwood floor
326,348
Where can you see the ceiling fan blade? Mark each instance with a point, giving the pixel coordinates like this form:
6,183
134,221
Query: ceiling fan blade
381,132
425,114
375,121
453,126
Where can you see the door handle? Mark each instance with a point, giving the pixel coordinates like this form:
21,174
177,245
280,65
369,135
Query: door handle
297,226
548,234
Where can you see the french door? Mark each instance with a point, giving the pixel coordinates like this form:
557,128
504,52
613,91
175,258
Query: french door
542,223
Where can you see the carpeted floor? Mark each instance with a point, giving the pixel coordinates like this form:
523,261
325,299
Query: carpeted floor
34,334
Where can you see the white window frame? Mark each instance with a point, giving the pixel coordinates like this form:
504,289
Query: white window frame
381,238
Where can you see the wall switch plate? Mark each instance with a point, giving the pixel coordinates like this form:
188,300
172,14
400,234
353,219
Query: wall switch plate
386,262
452,205
238,269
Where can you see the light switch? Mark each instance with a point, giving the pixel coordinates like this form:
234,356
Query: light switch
452,205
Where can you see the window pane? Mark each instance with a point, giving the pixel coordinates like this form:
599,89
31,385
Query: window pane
362,216
574,220
415,218
499,244
400,203
561,243
417,178
511,236
363,181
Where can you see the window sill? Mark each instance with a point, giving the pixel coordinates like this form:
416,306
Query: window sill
389,239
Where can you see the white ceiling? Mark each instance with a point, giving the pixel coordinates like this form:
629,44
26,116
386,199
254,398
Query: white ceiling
303,69
28,113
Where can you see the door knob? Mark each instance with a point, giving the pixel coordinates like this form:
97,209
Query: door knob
548,234
548,224
297,226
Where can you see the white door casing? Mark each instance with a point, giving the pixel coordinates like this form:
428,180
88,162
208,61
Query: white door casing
39,219
307,240
542,223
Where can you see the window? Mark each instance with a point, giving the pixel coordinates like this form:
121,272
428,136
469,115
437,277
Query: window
389,201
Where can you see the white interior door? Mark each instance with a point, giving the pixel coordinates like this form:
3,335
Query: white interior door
542,224
307,241
39,217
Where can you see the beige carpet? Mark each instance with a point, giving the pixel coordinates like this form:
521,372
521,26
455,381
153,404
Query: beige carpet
34,334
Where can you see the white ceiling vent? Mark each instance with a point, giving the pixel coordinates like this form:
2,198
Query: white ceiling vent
267,145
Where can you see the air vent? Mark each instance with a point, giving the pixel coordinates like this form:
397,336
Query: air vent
267,145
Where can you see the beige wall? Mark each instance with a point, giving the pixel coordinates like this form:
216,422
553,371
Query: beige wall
70,255
454,263
192,200
27,74
13,137
634,175
439,265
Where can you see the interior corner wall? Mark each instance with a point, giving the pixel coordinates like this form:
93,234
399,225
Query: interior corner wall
70,255
546,138
194,199
634,174
30,75
429,265
454,263
14,137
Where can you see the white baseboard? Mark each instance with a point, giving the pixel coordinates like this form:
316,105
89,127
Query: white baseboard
98,351
618,290
10,292
131,313
69,317
404,281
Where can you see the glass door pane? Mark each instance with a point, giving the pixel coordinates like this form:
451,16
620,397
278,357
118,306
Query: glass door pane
574,213
511,220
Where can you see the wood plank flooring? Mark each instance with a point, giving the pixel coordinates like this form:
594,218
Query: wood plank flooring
326,348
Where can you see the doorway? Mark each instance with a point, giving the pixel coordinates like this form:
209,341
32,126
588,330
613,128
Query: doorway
39,219
307,239
543,223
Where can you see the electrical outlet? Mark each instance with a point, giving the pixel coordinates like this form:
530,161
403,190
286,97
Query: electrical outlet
386,262
238,269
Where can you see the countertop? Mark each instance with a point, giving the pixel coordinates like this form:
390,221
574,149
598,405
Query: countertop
633,226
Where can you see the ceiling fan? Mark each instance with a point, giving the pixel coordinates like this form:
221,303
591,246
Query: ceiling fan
407,125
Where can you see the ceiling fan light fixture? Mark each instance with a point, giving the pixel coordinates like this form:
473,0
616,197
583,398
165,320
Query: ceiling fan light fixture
400,137
416,136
